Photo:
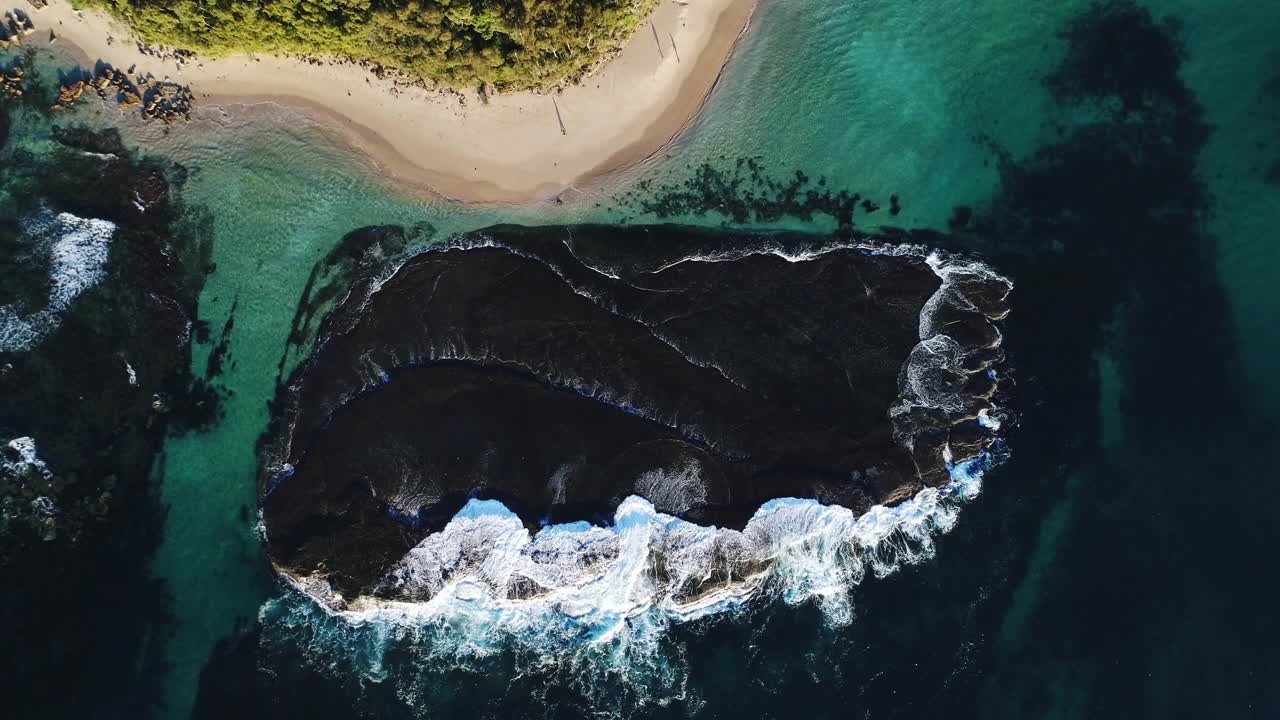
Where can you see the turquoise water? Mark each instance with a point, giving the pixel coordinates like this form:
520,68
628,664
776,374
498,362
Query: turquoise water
883,98
878,97
268,229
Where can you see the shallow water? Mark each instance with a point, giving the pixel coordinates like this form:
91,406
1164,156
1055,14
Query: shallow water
1122,582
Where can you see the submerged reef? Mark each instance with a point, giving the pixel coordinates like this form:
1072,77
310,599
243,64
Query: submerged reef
520,378
744,191
99,293
101,269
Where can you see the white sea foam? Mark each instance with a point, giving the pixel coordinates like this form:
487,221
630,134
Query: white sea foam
78,250
28,460
596,580
934,373
26,449
598,602
675,491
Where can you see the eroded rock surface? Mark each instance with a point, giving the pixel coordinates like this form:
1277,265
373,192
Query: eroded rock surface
560,370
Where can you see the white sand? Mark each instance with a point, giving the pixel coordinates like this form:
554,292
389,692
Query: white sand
510,150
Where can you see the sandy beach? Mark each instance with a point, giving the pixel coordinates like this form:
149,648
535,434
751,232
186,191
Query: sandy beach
517,148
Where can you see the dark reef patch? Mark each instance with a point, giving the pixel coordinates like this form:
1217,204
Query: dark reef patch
114,363
1119,52
218,355
1112,217
87,406
563,369
746,192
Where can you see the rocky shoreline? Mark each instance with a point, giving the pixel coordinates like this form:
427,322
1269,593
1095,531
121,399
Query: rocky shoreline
101,269
15,26
560,370
158,100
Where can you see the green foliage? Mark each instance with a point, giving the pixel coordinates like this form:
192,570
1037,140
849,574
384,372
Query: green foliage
512,44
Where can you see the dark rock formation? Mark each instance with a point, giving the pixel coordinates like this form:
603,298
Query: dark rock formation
563,369
68,94
15,25
94,398
159,100
92,382
11,80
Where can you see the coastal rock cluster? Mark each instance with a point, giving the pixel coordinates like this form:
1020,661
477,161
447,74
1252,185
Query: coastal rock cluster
11,80
162,52
159,100
562,370
16,25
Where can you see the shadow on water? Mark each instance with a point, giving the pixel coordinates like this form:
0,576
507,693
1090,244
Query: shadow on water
1088,580
84,621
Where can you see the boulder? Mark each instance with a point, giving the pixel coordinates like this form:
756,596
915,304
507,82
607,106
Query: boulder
11,81
68,94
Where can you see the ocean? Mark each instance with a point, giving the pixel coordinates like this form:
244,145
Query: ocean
1117,162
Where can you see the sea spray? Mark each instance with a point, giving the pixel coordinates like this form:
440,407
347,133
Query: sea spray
77,250
606,624
606,608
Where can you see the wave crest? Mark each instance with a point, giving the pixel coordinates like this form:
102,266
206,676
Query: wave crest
601,600
598,603
77,249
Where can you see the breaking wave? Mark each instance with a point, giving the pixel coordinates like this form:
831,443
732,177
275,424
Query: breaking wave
595,605
610,595
77,249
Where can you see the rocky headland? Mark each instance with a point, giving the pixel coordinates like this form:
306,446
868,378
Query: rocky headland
561,370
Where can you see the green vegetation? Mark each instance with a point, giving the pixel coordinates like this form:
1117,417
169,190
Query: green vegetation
510,44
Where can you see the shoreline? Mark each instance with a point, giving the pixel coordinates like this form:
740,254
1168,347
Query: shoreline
518,148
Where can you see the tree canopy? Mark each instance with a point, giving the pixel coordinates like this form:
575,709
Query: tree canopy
510,44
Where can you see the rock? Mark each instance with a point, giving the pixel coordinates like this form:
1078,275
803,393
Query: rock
11,30
167,102
560,370
48,529
68,94
164,101
17,24
11,81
